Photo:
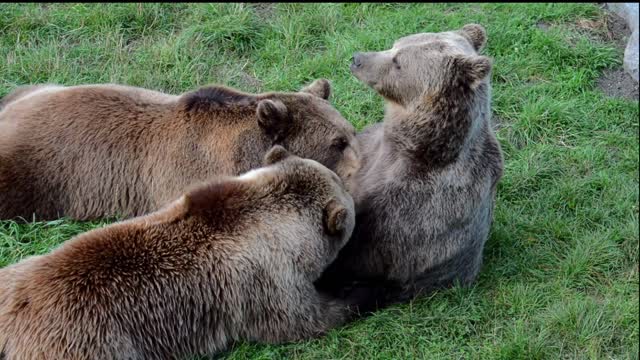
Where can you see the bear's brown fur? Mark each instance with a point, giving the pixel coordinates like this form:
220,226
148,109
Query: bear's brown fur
108,150
425,192
233,259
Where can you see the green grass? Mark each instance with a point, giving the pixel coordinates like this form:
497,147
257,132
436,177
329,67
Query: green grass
560,278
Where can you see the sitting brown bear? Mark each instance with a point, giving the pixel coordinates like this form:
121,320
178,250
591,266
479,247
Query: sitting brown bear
233,259
107,150
425,192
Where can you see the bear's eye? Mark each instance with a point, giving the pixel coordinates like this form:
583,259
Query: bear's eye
395,62
340,143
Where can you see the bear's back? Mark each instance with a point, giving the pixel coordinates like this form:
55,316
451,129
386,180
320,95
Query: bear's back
63,158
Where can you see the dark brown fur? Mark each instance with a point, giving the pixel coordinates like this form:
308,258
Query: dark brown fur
233,259
107,150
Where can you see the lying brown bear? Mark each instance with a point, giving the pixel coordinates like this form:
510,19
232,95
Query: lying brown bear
108,150
233,259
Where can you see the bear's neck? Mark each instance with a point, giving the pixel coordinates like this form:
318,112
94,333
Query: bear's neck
233,138
250,146
439,128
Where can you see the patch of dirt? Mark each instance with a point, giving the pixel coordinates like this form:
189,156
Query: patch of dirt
543,25
264,10
617,83
618,29
608,29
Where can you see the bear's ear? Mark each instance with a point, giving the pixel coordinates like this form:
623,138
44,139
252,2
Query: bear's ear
472,69
182,206
174,211
273,118
476,34
320,88
335,217
276,154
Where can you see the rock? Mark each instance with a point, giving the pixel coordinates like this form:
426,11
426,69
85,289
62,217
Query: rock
629,12
631,56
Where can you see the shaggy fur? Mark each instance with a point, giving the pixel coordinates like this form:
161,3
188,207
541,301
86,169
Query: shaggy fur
233,259
96,151
425,192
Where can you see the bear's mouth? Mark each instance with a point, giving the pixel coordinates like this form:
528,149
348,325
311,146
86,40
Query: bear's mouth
357,62
361,76
361,68
355,69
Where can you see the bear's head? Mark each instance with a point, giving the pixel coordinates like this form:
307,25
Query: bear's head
322,202
306,124
298,205
424,64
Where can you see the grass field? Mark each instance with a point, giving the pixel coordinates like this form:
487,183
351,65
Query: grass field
560,278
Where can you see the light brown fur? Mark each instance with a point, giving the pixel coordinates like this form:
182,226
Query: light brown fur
233,259
109,150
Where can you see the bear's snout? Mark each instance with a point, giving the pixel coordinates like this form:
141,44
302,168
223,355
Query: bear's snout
356,60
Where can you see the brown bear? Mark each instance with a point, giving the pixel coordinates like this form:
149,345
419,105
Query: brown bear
233,259
425,192
96,151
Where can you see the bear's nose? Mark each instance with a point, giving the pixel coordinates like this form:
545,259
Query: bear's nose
356,60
